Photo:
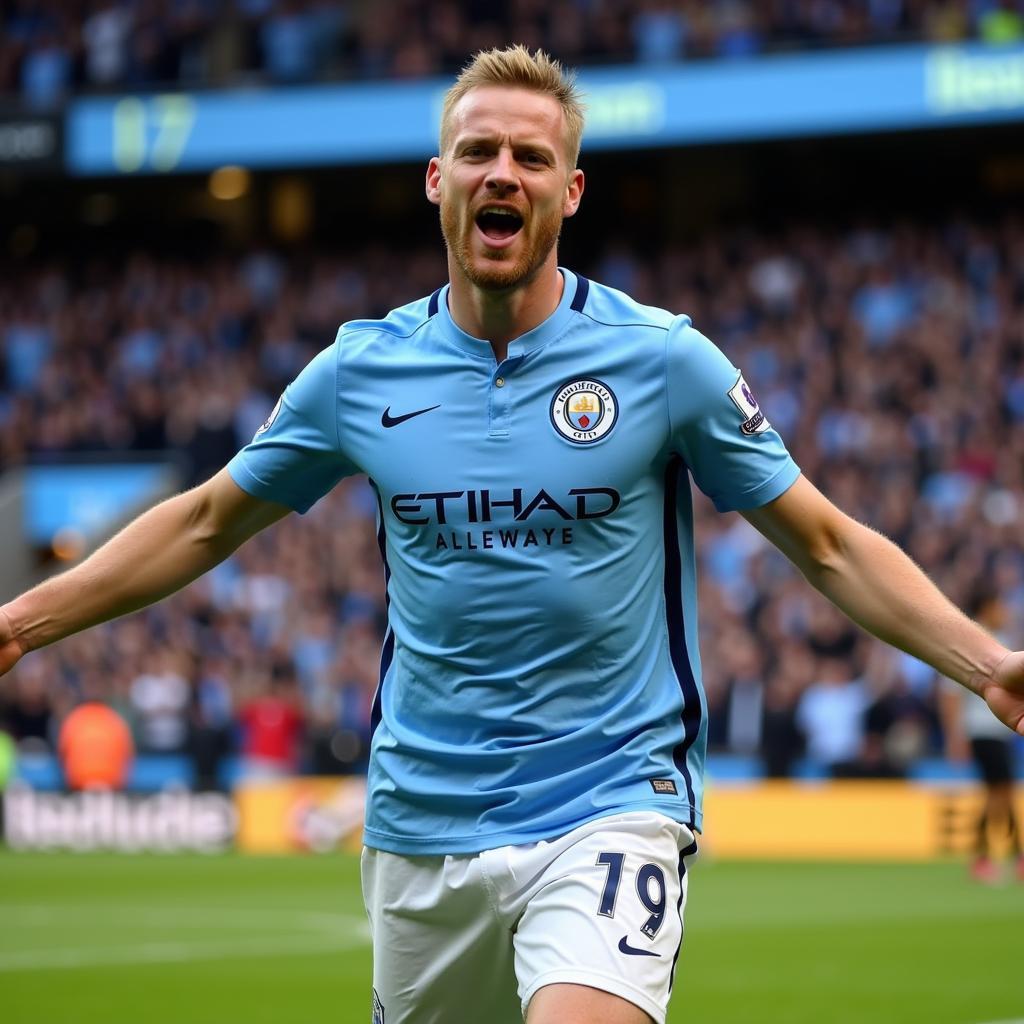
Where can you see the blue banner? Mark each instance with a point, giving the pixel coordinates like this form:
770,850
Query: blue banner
628,107
90,499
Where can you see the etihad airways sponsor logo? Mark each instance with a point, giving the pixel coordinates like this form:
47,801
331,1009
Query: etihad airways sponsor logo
486,506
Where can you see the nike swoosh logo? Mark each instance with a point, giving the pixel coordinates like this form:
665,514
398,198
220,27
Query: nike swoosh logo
387,420
625,947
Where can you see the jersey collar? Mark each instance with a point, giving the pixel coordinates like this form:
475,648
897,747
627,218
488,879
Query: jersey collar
544,333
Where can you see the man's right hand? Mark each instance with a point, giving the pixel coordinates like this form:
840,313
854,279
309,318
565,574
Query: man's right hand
10,649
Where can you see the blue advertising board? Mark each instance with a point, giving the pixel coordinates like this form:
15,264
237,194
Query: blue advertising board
628,107
89,498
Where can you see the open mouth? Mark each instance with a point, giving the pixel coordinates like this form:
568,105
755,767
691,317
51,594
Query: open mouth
498,223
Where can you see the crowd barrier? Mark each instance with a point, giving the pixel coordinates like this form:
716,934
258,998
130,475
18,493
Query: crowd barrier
844,820
758,820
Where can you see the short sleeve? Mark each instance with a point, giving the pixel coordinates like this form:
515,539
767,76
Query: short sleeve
295,457
734,455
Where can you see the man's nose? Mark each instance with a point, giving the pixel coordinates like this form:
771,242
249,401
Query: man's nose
502,175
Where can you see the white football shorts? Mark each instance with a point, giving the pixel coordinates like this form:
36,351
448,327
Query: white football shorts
473,937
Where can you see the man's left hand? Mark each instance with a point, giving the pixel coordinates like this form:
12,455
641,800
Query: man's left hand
1005,693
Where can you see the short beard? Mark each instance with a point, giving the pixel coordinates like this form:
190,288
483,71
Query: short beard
494,278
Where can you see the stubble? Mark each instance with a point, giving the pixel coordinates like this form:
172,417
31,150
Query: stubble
493,274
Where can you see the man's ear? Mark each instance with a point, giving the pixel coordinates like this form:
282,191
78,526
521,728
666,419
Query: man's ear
573,194
433,186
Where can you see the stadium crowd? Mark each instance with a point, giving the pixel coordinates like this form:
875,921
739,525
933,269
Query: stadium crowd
50,49
891,358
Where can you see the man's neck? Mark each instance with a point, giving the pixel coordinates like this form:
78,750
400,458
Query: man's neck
501,317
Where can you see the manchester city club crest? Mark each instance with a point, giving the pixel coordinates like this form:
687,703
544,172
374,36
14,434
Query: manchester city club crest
584,411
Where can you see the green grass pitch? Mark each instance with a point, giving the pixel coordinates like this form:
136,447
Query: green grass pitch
101,939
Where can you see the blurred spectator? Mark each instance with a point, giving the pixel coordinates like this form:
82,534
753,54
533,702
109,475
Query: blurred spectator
132,44
972,731
782,742
27,346
8,761
659,32
105,34
886,17
29,714
884,306
211,720
271,722
898,724
744,671
160,698
736,32
946,21
340,734
95,748
831,717
1002,23
46,71
289,39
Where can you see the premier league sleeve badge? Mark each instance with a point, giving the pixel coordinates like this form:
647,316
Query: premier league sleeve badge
754,421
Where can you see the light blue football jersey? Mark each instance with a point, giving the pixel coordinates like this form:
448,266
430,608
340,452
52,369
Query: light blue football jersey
540,668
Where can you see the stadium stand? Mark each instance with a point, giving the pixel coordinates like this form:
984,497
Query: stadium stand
890,357
51,49
888,352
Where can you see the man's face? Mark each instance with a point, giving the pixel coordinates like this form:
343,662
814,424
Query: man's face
504,186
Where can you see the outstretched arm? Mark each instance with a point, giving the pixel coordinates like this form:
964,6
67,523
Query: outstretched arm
158,553
881,589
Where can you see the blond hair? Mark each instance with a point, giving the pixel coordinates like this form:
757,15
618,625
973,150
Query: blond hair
517,68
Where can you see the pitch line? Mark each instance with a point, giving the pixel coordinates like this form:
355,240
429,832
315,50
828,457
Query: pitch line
240,917
176,952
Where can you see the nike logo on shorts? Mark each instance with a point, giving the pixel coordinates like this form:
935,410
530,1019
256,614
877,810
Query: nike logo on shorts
387,420
625,947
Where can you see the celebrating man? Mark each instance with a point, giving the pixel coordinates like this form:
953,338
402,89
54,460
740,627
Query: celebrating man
539,727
